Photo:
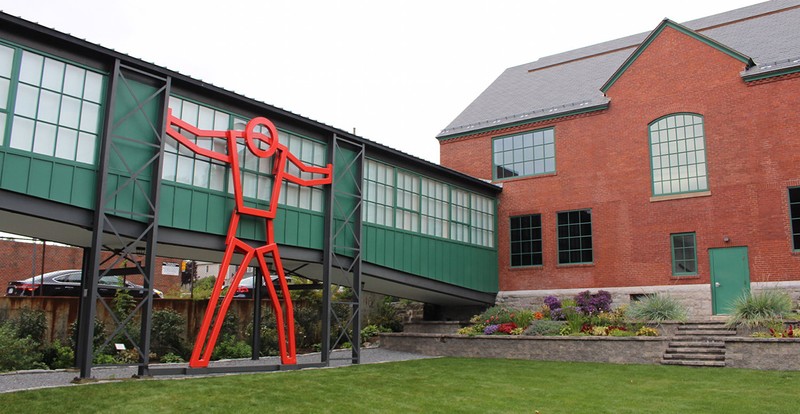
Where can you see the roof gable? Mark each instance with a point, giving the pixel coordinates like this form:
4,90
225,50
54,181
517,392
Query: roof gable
666,23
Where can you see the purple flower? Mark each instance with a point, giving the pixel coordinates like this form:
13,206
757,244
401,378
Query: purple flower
490,329
552,302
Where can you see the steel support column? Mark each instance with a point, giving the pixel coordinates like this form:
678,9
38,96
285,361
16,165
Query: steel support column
342,256
142,177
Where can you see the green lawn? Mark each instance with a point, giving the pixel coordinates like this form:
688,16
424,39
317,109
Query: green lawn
446,385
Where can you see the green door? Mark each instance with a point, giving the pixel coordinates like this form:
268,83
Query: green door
730,277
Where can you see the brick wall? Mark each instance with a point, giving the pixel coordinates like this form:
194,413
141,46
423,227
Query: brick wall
603,164
23,259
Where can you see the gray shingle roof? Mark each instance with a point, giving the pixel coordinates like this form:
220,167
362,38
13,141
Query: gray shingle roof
569,81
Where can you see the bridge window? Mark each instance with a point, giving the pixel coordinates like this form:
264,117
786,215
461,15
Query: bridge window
531,153
378,193
678,155
459,215
184,166
407,213
481,220
56,105
407,201
435,197
312,153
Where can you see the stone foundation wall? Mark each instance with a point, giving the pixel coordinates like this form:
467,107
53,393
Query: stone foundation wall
696,298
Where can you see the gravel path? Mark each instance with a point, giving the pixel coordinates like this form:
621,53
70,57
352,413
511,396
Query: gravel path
33,379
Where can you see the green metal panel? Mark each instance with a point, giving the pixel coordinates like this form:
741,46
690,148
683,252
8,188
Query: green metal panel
435,258
730,277
344,203
84,187
15,173
61,188
41,173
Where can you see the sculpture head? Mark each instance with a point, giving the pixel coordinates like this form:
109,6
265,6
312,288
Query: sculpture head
251,137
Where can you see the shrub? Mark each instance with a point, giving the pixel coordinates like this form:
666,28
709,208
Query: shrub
98,336
170,358
372,330
759,309
202,288
231,348
18,353
657,308
166,333
30,323
545,327
58,356
471,330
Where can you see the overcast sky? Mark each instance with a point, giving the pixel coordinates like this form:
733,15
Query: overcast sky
395,71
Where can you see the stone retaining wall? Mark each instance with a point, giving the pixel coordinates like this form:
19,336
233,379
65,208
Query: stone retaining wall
752,353
630,350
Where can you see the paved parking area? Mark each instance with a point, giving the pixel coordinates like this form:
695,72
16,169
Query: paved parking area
34,379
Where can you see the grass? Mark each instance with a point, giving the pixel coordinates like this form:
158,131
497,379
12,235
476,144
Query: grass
446,385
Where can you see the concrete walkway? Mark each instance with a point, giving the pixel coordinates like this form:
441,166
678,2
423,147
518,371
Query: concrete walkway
35,379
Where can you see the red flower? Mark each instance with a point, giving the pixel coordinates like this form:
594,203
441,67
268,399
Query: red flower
506,328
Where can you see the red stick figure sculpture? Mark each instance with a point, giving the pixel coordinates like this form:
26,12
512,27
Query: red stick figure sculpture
204,345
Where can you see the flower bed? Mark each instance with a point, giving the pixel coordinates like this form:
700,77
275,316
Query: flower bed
586,314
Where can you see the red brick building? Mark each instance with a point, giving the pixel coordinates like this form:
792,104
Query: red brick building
664,161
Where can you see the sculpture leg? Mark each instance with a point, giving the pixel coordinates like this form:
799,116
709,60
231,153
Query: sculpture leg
213,319
284,321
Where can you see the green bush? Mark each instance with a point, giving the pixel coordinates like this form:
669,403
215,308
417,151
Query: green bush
372,330
545,327
760,309
501,314
98,337
231,348
18,353
385,316
202,288
657,308
58,356
166,333
30,323
171,358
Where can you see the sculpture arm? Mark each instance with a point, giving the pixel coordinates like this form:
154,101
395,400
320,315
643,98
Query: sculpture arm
326,171
199,133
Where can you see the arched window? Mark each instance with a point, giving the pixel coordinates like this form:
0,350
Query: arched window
678,154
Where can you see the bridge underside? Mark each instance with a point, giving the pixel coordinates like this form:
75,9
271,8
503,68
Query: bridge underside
42,219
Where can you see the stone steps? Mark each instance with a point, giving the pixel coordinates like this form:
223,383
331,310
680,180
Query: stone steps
698,345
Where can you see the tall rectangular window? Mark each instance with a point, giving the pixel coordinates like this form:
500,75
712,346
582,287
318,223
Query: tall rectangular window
684,254
481,220
525,154
459,215
575,237
407,213
434,208
378,193
678,154
57,106
794,214
526,240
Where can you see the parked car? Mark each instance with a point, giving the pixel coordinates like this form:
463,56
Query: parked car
245,288
68,283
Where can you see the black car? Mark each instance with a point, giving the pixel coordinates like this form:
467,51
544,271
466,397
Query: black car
68,283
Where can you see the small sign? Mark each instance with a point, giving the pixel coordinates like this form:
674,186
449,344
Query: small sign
119,347
170,269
